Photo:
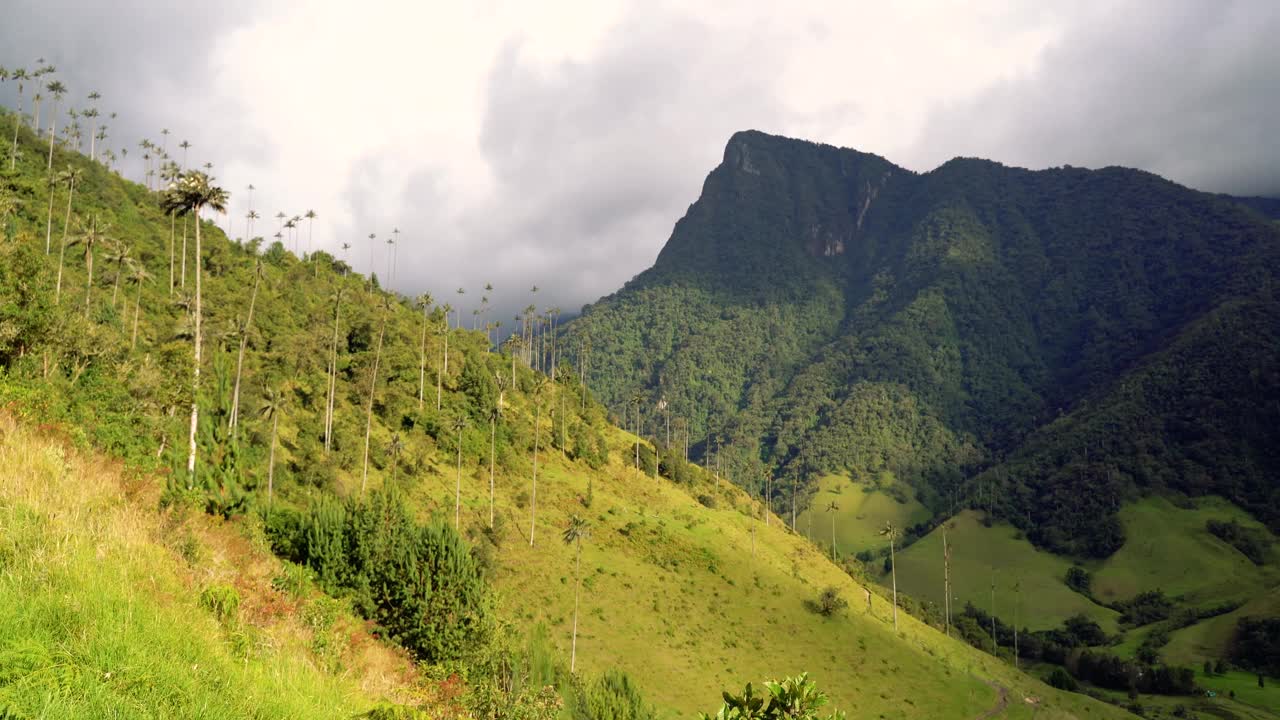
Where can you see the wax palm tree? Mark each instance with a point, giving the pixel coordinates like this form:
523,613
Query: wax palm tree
121,256
90,239
311,224
57,89
191,193
424,301
72,177
333,373
494,414
832,507
271,408
164,135
538,389
636,400
138,277
92,115
459,424
290,225
573,534
249,218
394,448
185,147
443,331
373,386
19,75
892,532
391,254
513,346
233,419
54,179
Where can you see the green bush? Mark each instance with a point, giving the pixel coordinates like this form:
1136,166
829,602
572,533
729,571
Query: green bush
421,584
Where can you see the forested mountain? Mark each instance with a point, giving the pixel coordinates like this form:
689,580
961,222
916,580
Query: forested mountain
1046,344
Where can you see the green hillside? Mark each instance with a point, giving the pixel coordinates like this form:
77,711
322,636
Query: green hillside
861,512
684,588
981,555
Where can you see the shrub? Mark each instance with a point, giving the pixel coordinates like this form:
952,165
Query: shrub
829,602
1062,680
223,601
421,584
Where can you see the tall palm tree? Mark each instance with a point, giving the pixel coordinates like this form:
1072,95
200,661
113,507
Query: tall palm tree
164,135
138,278
946,580
290,225
538,389
373,386
19,75
270,409
333,373
249,219
494,414
461,292
233,419
424,302
311,224
832,507
54,180
120,256
573,535
636,400
191,193
72,177
394,448
90,239
185,147
459,424
891,532
444,362
57,89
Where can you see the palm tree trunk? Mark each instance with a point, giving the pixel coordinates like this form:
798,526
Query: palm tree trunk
13,155
833,536
457,493
893,563
195,391
271,456
422,359
62,251
172,222
946,583
368,418
533,514
333,378
115,288
88,281
577,588
493,445
184,249
48,229
446,347
137,310
234,419
53,134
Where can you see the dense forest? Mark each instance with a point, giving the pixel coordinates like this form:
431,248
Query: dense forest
1044,345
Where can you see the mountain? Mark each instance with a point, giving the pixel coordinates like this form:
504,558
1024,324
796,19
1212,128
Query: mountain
399,554
1046,345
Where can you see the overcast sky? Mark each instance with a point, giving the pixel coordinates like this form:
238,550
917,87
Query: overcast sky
556,143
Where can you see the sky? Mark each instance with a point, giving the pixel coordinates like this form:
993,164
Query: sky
556,143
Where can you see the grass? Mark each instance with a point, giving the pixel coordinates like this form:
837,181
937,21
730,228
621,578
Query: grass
100,610
1168,548
863,511
975,549
674,595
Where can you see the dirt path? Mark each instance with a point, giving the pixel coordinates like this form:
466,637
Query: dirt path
1000,705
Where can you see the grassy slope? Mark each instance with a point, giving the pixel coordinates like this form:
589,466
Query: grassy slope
862,512
1046,601
1169,548
99,612
678,600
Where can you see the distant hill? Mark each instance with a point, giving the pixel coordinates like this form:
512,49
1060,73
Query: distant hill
1043,344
